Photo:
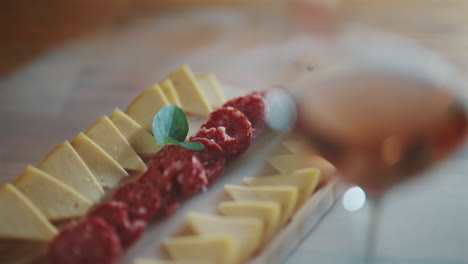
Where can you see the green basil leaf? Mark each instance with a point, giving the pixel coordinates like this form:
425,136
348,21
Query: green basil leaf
170,121
170,127
196,146
170,141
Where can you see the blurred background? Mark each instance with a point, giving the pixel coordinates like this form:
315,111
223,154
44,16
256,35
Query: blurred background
65,63
30,28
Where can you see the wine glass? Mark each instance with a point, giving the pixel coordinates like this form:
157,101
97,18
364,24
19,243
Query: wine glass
384,113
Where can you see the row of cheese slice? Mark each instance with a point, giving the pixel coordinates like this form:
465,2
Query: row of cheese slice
256,213
73,176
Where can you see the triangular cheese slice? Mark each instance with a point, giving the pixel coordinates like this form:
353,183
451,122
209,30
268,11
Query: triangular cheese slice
141,140
298,147
220,249
146,105
190,94
291,162
211,89
54,199
107,171
64,164
20,219
247,230
169,90
104,133
268,212
152,261
286,196
306,180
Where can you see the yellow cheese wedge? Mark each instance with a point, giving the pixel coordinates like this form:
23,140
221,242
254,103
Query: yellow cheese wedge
266,211
286,196
169,91
141,140
291,162
104,133
20,219
107,171
190,94
298,147
247,230
54,199
145,106
220,249
211,89
306,180
64,164
152,261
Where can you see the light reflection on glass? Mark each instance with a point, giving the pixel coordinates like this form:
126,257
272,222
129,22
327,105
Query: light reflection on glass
282,110
354,199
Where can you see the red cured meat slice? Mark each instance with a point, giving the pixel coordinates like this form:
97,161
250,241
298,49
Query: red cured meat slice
212,158
143,201
171,207
89,241
176,172
228,144
235,125
115,214
254,107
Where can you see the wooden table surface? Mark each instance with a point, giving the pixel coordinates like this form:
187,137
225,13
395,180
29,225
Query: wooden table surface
53,89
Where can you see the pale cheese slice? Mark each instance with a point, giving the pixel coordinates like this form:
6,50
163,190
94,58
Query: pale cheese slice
286,196
268,212
220,249
298,147
212,90
153,261
104,133
141,140
247,230
291,162
146,105
54,199
190,94
66,165
20,219
306,180
169,90
107,171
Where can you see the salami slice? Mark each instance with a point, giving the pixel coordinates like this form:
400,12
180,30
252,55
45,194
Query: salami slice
254,107
230,124
228,144
115,214
171,206
88,241
143,201
175,171
212,158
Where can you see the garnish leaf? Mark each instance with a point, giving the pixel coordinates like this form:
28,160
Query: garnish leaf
170,141
171,122
196,146
190,145
170,127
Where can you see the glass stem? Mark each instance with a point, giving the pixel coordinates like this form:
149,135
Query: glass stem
374,218
364,232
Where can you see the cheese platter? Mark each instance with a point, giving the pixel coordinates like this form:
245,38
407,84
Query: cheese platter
134,198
